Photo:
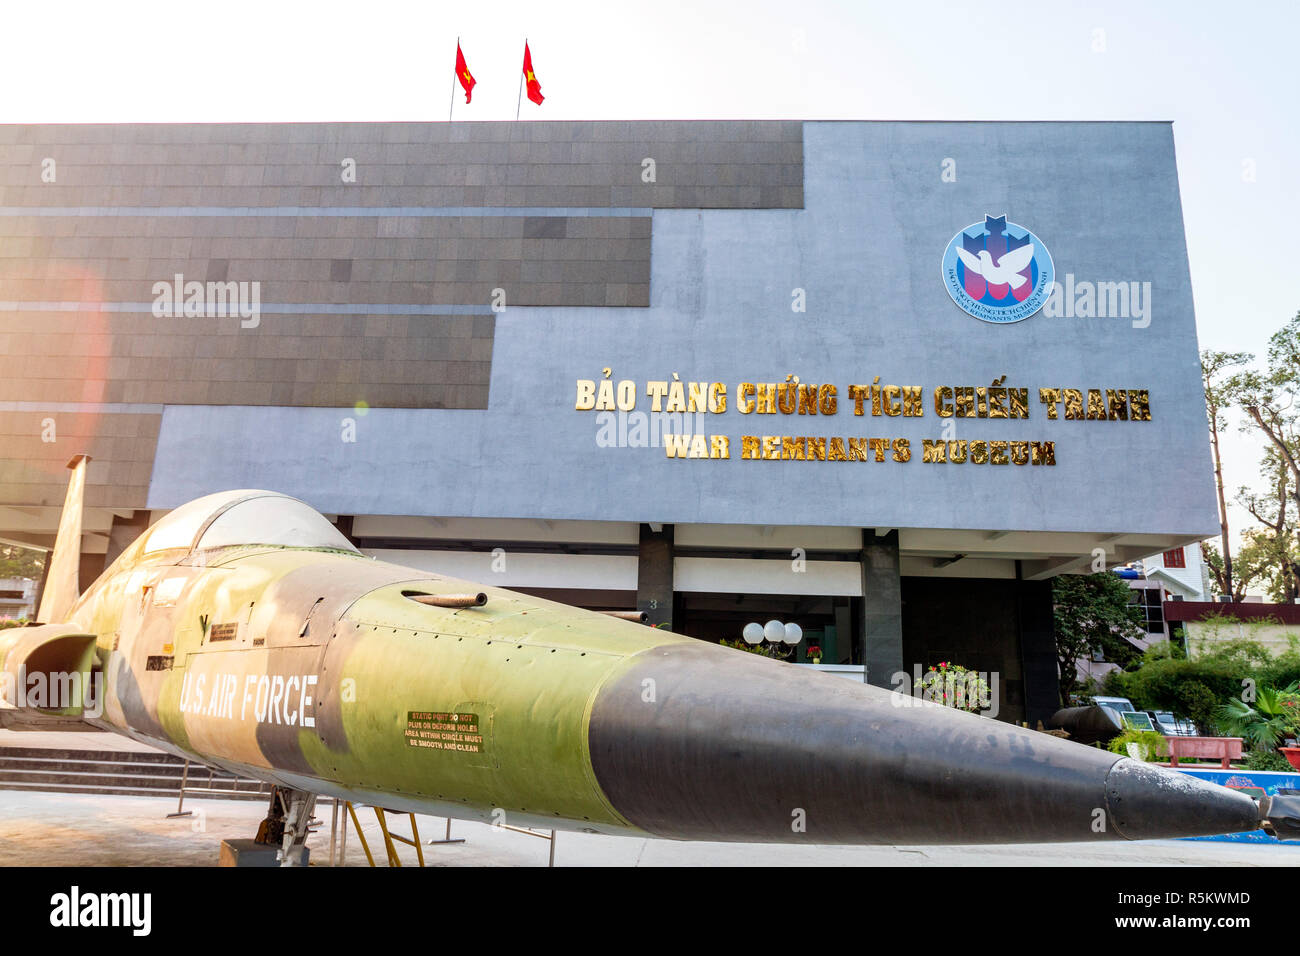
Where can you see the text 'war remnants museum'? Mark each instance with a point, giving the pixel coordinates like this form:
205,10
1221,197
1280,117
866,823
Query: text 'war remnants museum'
882,380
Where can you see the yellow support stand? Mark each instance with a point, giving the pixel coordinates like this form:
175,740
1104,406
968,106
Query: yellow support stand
389,837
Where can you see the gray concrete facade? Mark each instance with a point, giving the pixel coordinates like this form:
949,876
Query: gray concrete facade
866,249
376,252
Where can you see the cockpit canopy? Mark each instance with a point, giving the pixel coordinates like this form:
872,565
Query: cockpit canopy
232,518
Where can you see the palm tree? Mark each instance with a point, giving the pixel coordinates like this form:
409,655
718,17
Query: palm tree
1262,726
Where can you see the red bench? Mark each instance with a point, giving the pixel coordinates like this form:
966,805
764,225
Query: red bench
1226,749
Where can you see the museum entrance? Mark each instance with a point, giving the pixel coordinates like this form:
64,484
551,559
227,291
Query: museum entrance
827,622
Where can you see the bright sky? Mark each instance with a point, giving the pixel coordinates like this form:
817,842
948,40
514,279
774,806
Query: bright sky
1224,73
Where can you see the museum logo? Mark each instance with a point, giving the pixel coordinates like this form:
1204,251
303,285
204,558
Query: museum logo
998,271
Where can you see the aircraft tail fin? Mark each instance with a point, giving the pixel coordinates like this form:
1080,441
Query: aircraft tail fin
62,587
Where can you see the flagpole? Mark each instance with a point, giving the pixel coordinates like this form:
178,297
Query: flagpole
520,98
452,102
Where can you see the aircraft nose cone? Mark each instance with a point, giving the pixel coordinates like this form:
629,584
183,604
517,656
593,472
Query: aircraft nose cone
1150,803
701,743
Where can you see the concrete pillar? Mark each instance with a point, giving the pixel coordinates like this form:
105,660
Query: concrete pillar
1038,664
882,608
89,567
344,524
654,575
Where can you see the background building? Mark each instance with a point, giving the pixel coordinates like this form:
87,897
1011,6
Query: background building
1182,572
431,301
1203,626
1179,574
17,599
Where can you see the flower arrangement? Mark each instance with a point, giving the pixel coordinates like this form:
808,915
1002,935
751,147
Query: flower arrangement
954,686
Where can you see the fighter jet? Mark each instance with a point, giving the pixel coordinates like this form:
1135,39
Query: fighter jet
245,632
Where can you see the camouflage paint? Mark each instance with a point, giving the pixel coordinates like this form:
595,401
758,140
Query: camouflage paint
529,669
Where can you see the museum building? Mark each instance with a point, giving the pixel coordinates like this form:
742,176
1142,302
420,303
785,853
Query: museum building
884,380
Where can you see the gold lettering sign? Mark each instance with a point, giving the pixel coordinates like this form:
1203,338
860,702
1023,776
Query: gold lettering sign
614,401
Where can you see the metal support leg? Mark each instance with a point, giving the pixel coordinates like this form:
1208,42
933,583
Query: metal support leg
334,826
343,841
446,839
297,826
415,840
393,858
533,833
365,845
180,803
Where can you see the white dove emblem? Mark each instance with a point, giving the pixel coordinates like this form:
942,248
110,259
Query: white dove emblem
1006,271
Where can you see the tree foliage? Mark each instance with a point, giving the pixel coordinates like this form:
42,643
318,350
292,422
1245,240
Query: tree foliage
1220,394
1271,554
1268,556
21,562
1092,613
1268,399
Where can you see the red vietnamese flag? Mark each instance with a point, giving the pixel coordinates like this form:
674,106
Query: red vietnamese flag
534,87
463,74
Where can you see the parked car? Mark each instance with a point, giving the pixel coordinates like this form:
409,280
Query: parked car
1116,706
1172,726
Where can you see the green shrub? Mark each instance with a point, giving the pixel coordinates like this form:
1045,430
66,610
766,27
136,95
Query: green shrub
1239,654
1114,684
1191,689
1267,760
1163,650
1151,745
1273,715
1282,670
1085,690
1200,704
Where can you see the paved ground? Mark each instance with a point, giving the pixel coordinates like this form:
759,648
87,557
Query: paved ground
52,829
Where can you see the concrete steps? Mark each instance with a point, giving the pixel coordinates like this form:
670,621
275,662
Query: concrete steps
118,772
